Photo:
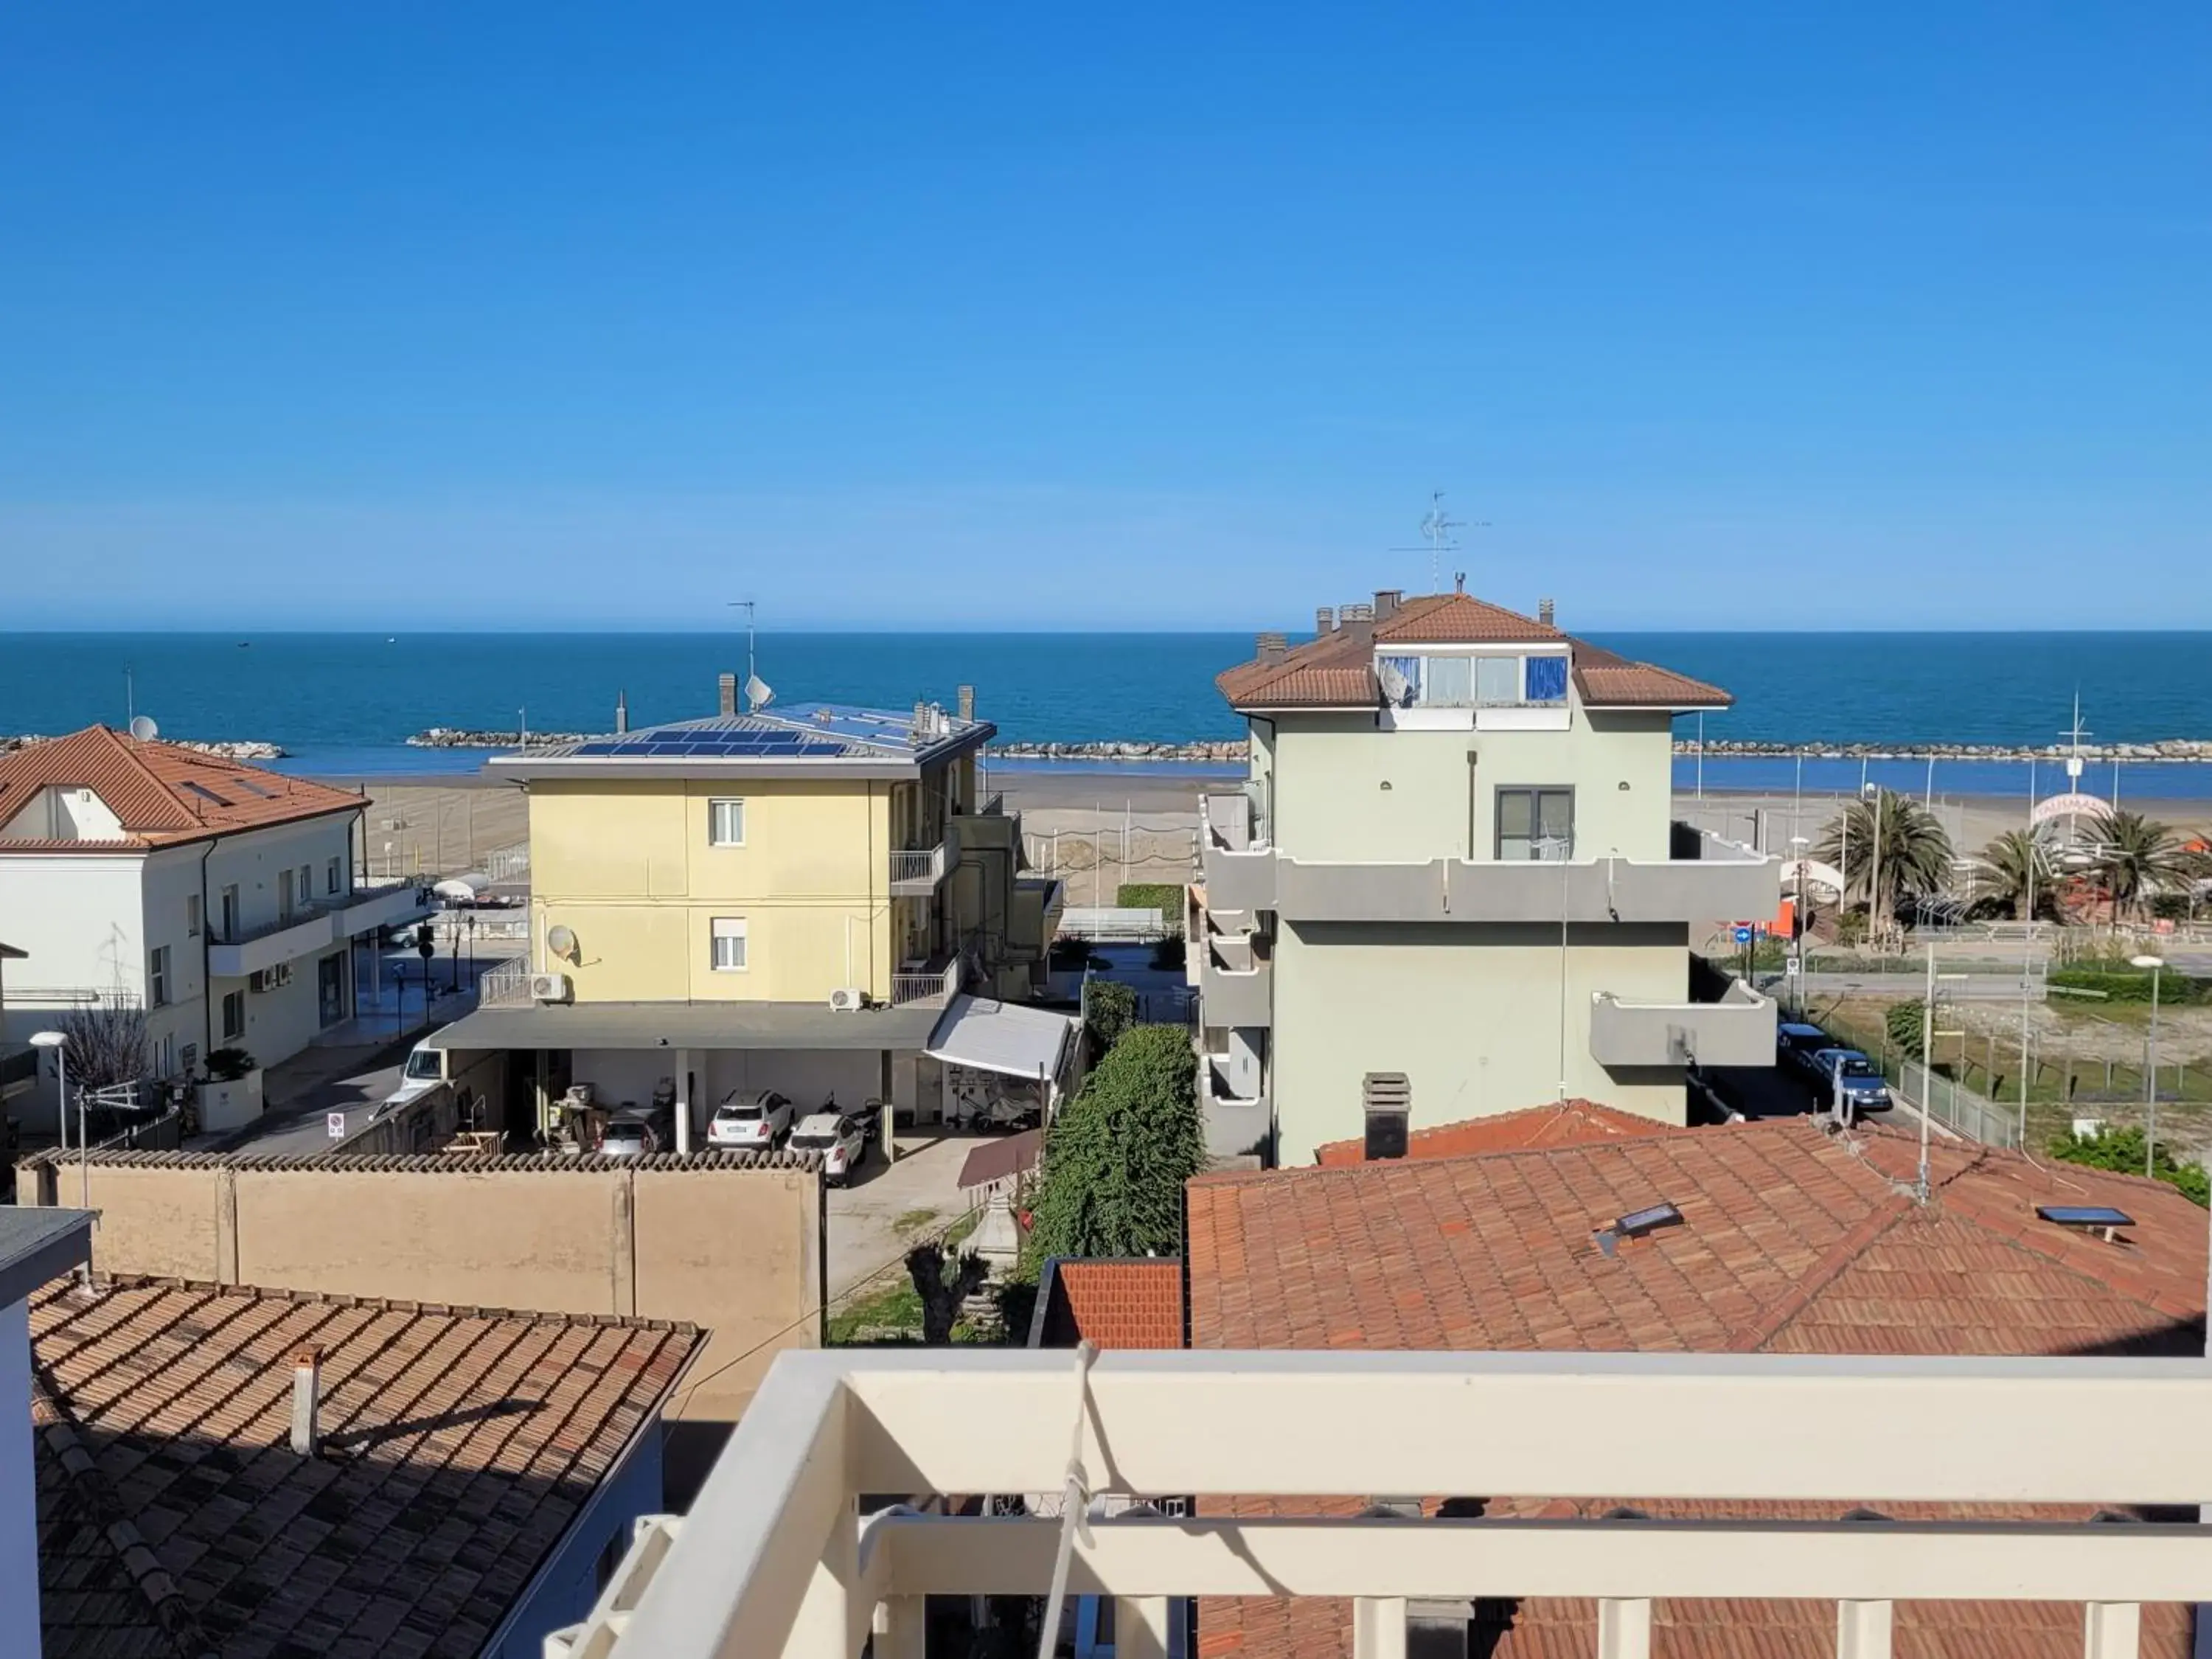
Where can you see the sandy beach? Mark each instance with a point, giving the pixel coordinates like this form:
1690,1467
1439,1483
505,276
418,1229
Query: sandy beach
1077,822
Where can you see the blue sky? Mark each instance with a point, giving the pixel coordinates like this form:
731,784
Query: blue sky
1132,316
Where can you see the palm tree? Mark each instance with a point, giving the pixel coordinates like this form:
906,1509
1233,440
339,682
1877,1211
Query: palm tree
2135,857
1916,853
2017,867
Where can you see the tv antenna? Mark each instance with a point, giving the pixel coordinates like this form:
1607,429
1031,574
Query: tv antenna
1436,528
758,694
2073,734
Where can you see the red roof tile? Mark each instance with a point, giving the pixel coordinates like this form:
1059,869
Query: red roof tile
1336,670
175,1521
1562,1123
1124,1304
162,793
1791,1241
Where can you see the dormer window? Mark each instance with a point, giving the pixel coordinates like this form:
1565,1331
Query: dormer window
1474,680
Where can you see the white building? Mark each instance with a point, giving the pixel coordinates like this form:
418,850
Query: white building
36,1247
220,897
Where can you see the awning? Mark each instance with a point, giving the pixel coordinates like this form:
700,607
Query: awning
689,1025
994,1161
1003,1037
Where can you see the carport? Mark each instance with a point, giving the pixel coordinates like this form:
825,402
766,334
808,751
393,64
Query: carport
1003,1052
806,1051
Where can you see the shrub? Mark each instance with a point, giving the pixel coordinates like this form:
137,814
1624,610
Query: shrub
1164,897
1117,1156
1110,1008
228,1064
1904,1023
2121,982
1169,954
2123,1149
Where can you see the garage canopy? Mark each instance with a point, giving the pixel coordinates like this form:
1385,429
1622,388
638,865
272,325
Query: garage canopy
1003,1037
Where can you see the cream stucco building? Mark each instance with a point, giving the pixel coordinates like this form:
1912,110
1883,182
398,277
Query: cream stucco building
1454,861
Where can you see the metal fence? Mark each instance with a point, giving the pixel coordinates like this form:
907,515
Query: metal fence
1959,1108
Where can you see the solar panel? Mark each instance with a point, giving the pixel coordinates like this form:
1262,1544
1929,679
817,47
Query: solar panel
206,793
1637,1223
252,787
2084,1215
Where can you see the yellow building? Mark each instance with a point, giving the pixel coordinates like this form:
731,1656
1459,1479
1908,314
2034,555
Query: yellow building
812,900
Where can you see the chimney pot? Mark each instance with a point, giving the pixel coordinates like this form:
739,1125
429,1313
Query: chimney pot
967,702
1386,602
307,1388
1272,647
726,702
1324,620
1545,613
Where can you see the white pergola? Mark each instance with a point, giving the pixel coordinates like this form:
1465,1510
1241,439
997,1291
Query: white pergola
775,1558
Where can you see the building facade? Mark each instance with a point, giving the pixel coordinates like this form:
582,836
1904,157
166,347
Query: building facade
221,899
1454,861
787,900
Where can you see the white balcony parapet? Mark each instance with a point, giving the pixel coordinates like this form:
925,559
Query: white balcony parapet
315,927
774,1560
937,985
1736,1030
916,872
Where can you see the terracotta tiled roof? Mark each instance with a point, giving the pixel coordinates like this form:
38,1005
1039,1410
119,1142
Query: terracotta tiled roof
163,794
1562,1123
1792,1242
1607,680
1123,1304
175,1521
1336,670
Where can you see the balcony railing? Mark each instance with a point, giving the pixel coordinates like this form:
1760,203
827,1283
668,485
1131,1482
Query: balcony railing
915,871
236,952
1236,983
507,985
1736,1030
934,985
775,1558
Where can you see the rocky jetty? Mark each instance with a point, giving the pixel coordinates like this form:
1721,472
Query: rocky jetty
1232,750
2168,749
237,749
456,737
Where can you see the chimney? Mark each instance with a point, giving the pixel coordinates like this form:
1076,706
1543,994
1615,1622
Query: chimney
727,700
1271,646
1545,613
1324,620
1387,601
621,712
307,1386
1387,1100
1459,581
967,702
1357,620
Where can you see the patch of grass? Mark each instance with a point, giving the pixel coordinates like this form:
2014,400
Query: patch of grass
911,1221
889,1312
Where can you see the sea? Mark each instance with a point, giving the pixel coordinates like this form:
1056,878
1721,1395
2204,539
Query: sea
344,704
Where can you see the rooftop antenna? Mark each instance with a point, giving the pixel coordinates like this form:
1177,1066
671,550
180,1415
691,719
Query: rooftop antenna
2073,734
758,694
130,696
1436,528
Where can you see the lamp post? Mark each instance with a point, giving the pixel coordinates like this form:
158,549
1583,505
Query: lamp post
58,1044
55,1043
2154,966
1798,847
1873,791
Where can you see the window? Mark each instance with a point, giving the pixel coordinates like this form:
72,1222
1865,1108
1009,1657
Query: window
726,823
233,1016
188,1059
157,977
729,944
1488,681
1547,680
227,905
306,883
192,915
1497,681
1535,823
333,875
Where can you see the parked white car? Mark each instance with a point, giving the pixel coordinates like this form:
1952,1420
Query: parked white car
838,1139
755,1119
423,1071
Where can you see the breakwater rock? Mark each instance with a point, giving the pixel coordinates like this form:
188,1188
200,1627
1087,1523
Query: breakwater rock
1220,750
2166,749
237,749
455,736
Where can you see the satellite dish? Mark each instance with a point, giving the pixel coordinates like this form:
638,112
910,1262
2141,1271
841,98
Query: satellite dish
143,729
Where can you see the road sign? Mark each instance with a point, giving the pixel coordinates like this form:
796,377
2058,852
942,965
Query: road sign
1789,966
1743,936
334,1123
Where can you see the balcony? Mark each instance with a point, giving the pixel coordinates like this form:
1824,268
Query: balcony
935,983
1236,981
1717,881
916,873
1235,861
316,927
1736,1030
775,1557
1234,1108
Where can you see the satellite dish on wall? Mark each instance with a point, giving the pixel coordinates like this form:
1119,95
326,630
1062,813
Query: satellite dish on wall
143,729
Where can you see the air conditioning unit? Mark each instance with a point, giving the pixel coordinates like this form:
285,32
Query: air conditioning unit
269,979
549,987
848,999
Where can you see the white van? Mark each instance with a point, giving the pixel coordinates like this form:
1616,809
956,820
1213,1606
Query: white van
424,1071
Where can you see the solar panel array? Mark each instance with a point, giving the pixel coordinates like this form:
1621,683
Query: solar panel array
724,745
2084,1215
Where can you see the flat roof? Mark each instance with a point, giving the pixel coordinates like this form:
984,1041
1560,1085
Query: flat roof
691,1025
812,740
38,1245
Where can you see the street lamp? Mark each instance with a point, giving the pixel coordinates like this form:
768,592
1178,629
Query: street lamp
59,1045
2154,966
1797,845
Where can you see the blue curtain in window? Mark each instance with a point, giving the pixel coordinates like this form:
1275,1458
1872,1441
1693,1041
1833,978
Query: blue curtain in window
1547,680
1405,689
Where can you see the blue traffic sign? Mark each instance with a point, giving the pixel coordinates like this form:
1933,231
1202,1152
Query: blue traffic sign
1743,936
